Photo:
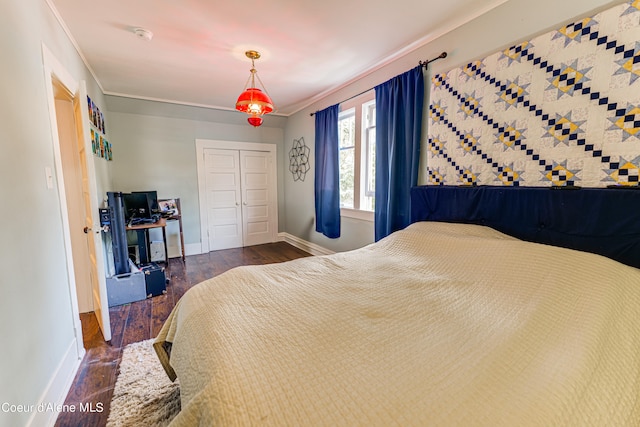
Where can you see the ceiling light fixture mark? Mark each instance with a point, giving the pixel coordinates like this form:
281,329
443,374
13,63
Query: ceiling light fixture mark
143,33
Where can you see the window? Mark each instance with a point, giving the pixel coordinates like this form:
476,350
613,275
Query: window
369,162
347,144
357,130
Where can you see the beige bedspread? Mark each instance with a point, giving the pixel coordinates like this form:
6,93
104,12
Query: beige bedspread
437,325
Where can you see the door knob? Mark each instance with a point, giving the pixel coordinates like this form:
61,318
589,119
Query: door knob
88,229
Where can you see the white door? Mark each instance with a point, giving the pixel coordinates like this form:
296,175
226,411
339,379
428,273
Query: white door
62,87
223,198
93,232
256,198
237,186
70,156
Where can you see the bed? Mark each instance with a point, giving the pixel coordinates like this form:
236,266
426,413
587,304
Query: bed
448,322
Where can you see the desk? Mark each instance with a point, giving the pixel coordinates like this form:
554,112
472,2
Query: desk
143,239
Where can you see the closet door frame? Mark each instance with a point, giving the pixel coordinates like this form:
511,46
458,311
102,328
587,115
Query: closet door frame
201,145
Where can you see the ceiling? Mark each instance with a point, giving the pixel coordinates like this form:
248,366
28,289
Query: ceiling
196,56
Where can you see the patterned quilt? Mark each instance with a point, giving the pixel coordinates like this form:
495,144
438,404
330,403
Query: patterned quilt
560,109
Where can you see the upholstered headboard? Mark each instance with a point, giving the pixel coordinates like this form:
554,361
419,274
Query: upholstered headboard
604,221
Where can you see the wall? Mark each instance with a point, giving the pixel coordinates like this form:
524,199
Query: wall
154,149
513,21
35,303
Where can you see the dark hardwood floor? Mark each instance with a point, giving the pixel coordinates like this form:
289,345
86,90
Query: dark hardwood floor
138,321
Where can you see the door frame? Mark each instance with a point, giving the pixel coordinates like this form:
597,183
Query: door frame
201,145
54,70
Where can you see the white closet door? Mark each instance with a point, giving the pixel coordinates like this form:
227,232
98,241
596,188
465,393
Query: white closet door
223,198
257,199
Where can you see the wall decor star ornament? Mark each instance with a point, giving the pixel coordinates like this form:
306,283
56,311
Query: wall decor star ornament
299,159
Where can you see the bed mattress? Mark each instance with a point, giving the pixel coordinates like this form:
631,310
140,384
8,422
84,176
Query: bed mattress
438,324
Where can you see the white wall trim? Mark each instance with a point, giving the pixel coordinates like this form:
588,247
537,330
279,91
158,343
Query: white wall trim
177,102
357,214
316,98
396,55
201,145
59,385
299,243
312,248
54,69
73,41
192,249
189,249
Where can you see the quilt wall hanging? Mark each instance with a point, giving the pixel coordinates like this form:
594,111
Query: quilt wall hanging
562,109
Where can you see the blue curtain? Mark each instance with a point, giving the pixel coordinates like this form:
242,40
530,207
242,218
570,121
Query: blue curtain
327,173
399,104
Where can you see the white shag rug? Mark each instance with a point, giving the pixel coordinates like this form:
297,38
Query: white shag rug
143,395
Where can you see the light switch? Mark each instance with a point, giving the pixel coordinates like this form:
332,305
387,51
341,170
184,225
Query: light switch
49,176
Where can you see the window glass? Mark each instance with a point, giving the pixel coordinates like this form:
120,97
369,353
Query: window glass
369,157
357,131
346,132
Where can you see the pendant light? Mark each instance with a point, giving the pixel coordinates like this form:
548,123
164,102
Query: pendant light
252,100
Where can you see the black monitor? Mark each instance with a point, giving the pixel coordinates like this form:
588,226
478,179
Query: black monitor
136,206
152,196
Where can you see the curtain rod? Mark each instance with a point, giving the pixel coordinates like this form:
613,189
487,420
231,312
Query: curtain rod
422,64
426,63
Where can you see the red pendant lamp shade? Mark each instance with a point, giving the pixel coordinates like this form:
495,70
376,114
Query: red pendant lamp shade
252,100
255,121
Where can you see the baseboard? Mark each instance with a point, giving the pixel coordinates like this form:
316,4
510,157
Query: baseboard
299,243
192,249
312,248
56,391
189,249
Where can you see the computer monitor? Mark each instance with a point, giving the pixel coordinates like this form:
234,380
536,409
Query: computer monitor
152,196
136,206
